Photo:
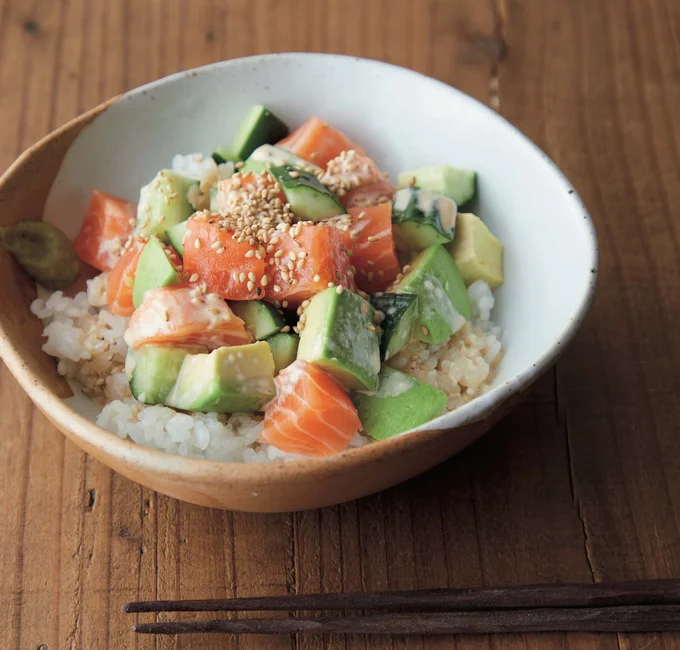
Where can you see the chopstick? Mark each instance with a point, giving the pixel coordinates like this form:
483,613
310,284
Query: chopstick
655,618
598,594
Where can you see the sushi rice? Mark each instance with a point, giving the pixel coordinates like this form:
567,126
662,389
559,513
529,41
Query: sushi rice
87,340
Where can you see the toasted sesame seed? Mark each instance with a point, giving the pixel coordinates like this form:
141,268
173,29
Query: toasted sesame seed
250,253
362,214
128,280
331,284
303,318
284,303
372,238
370,328
304,304
285,328
277,288
194,277
132,222
251,277
250,285
265,280
278,253
242,277
339,289
364,308
291,266
406,269
234,276
317,278
296,329
425,331
166,316
370,262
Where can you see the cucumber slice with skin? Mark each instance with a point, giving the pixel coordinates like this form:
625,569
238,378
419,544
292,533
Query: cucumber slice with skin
309,199
260,126
262,319
458,184
400,312
163,203
284,347
422,218
223,154
154,270
175,236
154,371
267,155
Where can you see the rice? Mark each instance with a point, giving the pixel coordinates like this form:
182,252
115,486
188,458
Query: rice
204,170
464,366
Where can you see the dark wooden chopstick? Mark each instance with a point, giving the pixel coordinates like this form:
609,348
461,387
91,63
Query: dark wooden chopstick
599,594
663,618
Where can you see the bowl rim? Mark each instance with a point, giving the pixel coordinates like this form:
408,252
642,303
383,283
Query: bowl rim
474,411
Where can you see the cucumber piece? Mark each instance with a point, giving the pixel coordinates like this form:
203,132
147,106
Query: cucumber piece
422,218
284,348
213,199
260,126
308,198
163,203
262,319
400,310
154,369
443,302
223,154
399,403
458,184
267,155
175,236
154,270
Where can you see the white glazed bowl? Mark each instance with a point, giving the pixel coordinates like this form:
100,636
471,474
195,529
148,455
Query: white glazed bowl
404,120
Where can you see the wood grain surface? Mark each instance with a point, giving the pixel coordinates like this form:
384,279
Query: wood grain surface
580,483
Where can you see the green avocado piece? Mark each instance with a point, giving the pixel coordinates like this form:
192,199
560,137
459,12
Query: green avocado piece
399,403
154,370
309,199
339,335
476,252
163,203
458,184
223,154
262,319
176,236
238,379
443,302
421,218
284,348
154,270
43,252
259,126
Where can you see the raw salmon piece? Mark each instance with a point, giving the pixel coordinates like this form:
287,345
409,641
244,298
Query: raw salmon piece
121,280
318,254
317,142
185,316
365,196
107,226
373,253
311,414
226,267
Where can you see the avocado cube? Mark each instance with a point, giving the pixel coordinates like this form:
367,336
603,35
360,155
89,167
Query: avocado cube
399,403
443,302
476,252
238,379
154,270
340,336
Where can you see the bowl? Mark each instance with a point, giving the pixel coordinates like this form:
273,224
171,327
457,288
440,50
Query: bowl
405,120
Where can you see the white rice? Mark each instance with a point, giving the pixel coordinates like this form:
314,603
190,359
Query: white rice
204,170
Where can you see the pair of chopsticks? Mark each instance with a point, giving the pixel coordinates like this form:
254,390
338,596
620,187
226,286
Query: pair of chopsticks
640,606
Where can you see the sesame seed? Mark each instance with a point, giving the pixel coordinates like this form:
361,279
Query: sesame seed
303,318
166,316
242,277
278,253
317,278
250,285
372,238
370,262
234,276
339,289
291,266
331,284
304,304
215,245
250,253
285,328
265,280
370,276
132,222
251,277
370,328
301,326
364,308
284,303
277,288
284,275
406,269
296,329
194,277
425,331
128,280
294,174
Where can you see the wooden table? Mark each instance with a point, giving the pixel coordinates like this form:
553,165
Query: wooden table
580,483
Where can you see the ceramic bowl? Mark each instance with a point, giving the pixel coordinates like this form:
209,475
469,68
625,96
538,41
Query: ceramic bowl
405,120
